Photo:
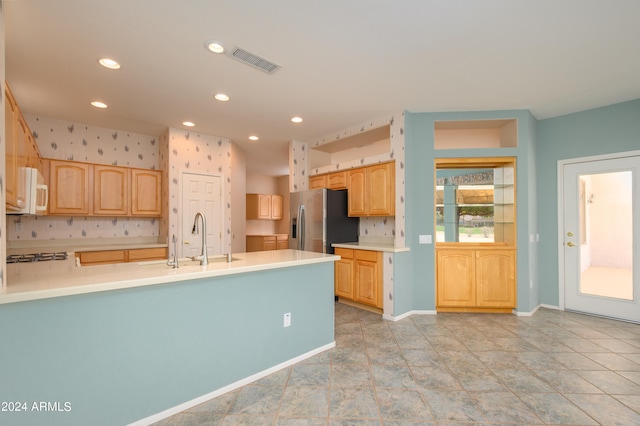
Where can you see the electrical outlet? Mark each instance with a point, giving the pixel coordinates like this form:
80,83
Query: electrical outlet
18,226
287,319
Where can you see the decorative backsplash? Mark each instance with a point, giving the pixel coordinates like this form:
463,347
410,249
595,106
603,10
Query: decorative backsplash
66,140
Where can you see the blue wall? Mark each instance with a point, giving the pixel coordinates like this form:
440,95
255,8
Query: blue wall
419,182
121,356
605,130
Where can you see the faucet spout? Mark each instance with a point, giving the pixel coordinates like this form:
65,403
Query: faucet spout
204,257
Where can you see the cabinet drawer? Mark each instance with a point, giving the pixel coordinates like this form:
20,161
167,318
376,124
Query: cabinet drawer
371,256
147,254
344,253
107,256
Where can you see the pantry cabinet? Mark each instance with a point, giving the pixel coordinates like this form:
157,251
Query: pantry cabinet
358,276
264,206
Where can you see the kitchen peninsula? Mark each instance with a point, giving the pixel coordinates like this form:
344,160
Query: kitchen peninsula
172,337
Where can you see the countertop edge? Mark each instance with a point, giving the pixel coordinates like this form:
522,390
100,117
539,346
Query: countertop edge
184,273
371,246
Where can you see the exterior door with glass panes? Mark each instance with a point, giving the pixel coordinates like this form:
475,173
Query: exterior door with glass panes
599,229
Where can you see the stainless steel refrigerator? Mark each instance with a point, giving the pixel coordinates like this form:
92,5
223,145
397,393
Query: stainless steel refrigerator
319,218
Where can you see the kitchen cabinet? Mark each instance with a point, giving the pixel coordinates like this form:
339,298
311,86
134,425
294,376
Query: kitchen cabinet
267,242
69,187
335,180
264,206
358,276
372,190
480,279
146,192
110,190
77,188
101,257
21,149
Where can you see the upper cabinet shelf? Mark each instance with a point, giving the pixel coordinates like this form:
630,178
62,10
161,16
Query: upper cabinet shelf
470,134
362,145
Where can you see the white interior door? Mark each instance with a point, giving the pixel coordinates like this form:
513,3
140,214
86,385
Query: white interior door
600,229
201,193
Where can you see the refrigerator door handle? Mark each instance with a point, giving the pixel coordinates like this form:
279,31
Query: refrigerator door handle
301,227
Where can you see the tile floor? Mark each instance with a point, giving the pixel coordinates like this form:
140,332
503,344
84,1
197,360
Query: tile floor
449,369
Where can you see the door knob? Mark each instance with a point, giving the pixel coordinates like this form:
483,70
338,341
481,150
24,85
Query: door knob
570,244
569,234
187,242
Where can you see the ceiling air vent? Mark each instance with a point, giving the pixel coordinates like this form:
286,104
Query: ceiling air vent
254,60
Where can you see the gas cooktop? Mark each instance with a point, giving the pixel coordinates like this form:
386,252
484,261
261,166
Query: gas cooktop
36,257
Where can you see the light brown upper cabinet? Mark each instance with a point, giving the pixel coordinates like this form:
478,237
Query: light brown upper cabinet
85,189
264,206
21,149
372,190
475,214
69,187
146,192
110,190
335,180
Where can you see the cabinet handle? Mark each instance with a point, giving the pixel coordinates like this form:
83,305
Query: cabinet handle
570,244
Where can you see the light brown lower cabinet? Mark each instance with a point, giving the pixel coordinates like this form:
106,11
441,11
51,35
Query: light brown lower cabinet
475,279
358,276
102,257
267,242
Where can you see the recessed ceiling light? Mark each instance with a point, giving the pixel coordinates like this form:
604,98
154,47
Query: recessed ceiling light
296,119
221,97
214,46
109,63
99,104
188,123
253,138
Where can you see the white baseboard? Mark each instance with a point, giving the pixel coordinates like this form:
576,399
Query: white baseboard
233,386
408,314
529,314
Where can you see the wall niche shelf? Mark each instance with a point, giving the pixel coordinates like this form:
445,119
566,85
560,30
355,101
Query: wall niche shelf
470,134
365,144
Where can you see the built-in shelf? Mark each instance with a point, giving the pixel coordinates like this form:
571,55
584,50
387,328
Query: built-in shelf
365,144
469,134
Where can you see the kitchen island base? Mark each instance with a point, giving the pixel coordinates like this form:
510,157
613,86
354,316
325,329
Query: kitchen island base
117,357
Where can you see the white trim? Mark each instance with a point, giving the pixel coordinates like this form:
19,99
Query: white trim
240,383
408,314
560,219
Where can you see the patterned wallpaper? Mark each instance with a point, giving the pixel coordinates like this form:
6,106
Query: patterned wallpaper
187,150
66,140
387,228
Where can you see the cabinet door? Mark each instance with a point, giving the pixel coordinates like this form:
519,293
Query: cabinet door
282,242
357,192
155,253
269,243
69,188
368,277
146,192
11,159
495,278
316,182
381,190
343,274
337,180
276,207
455,278
102,257
110,190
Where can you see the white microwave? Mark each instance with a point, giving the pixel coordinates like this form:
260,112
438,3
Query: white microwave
33,194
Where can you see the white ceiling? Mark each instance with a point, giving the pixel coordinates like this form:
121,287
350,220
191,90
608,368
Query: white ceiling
343,62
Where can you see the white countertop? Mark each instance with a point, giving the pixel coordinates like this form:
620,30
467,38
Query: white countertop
371,246
40,280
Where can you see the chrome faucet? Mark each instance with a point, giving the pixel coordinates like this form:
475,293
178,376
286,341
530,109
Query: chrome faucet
204,257
174,263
